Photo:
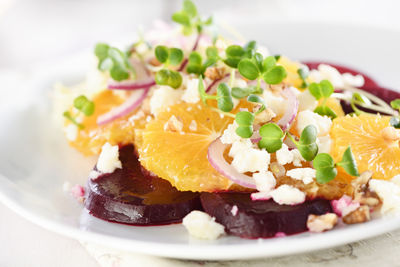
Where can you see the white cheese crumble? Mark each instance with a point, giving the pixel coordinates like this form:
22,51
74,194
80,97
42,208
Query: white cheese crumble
288,195
389,193
303,174
201,225
283,155
297,158
251,160
163,97
239,146
327,72
94,174
191,94
307,117
307,101
71,132
265,181
324,144
229,136
234,210
109,159
275,102
193,126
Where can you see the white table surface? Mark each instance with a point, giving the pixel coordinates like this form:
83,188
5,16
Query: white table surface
77,24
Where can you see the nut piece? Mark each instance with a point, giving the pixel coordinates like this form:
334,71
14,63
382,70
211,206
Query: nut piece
390,134
214,73
154,62
360,215
361,193
320,223
264,116
174,124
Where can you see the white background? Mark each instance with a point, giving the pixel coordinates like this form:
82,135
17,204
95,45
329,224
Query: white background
37,32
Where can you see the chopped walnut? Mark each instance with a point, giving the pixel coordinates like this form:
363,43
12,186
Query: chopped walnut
264,116
320,223
214,73
154,62
361,193
360,215
174,124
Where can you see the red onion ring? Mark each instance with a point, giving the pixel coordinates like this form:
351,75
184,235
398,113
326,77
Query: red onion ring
132,85
211,87
129,105
216,158
292,108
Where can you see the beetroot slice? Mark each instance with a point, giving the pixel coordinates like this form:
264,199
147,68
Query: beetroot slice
131,196
260,219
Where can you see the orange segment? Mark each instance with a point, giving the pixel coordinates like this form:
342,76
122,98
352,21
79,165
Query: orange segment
334,104
181,157
371,150
121,131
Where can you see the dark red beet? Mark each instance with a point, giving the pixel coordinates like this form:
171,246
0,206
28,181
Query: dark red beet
131,196
260,219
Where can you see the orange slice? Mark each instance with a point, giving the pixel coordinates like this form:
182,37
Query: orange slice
371,150
181,156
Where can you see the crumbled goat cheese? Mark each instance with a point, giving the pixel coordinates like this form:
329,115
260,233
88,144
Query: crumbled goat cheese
297,158
239,146
265,181
191,94
193,126
234,210
94,174
303,174
284,155
201,225
71,132
324,144
327,72
389,193
353,80
344,205
260,196
173,124
163,97
307,117
109,159
239,83
307,101
251,160
288,195
320,223
275,102
229,136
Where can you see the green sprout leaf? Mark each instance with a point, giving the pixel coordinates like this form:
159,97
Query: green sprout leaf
83,104
395,104
324,89
275,75
161,53
202,91
269,62
257,99
348,163
250,49
190,19
325,168
245,121
234,54
303,73
394,121
69,117
212,52
325,111
271,137
175,56
240,93
189,8
307,145
224,97
168,77
248,69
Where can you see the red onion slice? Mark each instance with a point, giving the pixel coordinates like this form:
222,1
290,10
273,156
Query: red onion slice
216,158
291,110
131,85
213,85
129,105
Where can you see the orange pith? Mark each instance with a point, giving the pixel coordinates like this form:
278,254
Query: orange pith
121,131
364,135
181,158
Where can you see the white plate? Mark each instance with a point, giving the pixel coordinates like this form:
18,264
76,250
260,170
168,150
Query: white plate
35,159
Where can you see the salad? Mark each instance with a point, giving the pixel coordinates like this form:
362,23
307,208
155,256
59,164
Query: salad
189,126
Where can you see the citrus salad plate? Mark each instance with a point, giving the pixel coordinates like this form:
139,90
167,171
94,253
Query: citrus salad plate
189,144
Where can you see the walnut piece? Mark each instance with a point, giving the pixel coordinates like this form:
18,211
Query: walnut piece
174,124
320,223
154,62
214,73
360,215
361,193
264,116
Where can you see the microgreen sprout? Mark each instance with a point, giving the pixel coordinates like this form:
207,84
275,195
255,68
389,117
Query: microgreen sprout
245,121
322,90
235,53
115,61
259,68
223,96
326,168
271,137
307,144
190,19
259,100
395,120
303,73
196,65
83,105
168,56
239,93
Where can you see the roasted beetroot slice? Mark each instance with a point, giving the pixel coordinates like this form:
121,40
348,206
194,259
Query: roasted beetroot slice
369,82
131,196
260,219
